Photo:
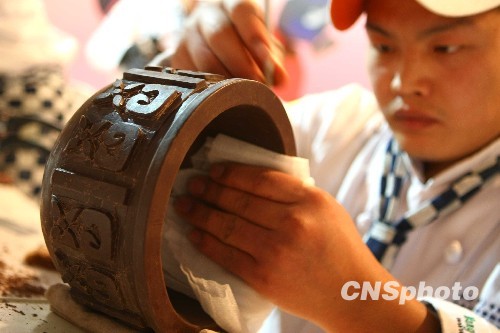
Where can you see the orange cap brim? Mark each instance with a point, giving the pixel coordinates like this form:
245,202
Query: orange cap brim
345,12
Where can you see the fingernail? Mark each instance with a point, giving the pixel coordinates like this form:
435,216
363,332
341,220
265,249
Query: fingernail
263,52
277,53
269,72
265,56
272,58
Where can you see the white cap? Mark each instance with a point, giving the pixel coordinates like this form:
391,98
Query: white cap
345,12
458,8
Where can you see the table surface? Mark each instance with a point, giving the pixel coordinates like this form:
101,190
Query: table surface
21,234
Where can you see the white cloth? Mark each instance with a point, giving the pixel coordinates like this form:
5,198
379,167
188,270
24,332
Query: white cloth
233,305
454,317
63,304
343,135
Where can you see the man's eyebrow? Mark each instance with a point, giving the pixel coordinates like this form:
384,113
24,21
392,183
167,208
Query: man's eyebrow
440,28
375,28
457,23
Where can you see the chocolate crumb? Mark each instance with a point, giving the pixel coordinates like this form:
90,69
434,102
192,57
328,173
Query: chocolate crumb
40,258
19,284
5,179
19,311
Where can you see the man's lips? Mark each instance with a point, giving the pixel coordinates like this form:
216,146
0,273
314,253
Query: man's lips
412,119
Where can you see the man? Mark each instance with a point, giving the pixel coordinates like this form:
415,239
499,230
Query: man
413,168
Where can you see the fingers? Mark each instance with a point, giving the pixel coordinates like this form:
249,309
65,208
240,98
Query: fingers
226,45
178,59
231,258
257,195
228,38
238,245
267,183
225,227
193,52
247,206
248,20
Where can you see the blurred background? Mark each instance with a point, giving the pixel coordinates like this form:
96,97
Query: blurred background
318,57
57,53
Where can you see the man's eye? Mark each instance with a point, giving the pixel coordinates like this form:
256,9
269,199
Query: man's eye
382,48
446,49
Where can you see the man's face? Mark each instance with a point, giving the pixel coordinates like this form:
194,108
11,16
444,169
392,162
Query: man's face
436,79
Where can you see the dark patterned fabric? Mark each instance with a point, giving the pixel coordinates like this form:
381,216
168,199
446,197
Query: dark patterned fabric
490,312
34,106
389,232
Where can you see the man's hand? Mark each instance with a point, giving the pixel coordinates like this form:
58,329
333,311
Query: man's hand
294,244
227,37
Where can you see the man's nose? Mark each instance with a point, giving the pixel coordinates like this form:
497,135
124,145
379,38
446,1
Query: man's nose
411,77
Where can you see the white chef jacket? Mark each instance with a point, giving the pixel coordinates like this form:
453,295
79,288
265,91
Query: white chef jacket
344,136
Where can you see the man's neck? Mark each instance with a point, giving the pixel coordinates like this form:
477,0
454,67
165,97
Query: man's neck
432,169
